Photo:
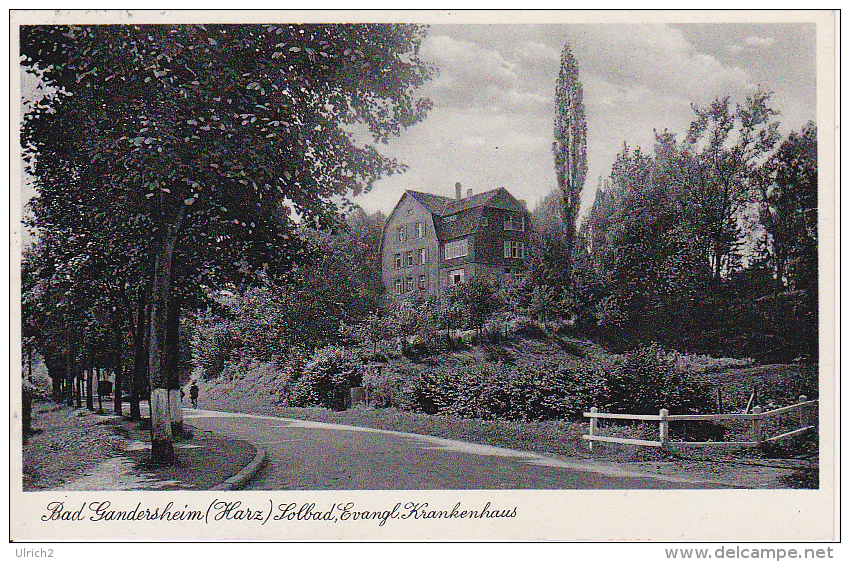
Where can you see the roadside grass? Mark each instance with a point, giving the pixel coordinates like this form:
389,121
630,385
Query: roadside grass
778,385
64,444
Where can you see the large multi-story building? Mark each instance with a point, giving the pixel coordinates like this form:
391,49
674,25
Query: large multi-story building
431,241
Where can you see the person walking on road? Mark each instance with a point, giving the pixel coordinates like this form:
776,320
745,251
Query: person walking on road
193,394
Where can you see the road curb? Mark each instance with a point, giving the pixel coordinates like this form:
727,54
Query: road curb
240,478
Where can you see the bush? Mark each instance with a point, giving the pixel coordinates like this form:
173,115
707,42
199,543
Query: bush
505,392
327,378
647,381
217,351
390,389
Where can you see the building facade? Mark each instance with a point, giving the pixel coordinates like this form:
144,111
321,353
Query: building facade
431,242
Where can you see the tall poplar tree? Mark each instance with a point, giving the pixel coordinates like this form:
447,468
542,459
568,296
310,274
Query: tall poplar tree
570,146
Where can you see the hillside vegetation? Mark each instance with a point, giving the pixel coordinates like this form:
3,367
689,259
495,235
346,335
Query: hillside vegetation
523,380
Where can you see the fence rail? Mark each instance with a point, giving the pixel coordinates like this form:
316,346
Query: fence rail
664,418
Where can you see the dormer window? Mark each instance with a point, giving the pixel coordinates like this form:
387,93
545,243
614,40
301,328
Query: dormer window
450,218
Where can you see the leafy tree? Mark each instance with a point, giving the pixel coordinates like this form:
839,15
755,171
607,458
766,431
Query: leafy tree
723,149
788,208
216,138
549,244
479,298
570,146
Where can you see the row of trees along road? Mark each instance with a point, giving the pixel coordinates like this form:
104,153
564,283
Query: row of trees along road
173,160
706,244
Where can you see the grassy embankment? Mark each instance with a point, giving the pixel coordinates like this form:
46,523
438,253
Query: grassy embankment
255,389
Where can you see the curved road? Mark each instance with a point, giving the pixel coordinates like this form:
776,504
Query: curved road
304,455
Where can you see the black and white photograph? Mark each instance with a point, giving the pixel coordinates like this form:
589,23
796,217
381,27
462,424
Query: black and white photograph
423,275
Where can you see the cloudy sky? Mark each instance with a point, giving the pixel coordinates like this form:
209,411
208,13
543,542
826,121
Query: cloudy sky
491,125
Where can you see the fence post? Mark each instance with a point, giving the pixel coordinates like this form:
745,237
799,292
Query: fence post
593,419
802,401
757,437
663,428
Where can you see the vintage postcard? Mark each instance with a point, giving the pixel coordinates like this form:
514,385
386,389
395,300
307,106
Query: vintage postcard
423,275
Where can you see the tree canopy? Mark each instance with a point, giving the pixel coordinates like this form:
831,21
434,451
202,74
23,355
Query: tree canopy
202,149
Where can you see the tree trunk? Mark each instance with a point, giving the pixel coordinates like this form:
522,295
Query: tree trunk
89,392
69,366
780,271
99,400
57,387
172,363
140,359
117,389
162,447
78,377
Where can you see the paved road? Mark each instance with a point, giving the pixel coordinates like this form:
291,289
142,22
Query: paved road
305,455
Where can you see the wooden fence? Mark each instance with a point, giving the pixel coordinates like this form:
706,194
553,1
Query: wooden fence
664,419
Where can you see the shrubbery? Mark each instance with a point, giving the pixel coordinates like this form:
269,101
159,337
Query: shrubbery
215,350
389,388
326,379
647,380
505,392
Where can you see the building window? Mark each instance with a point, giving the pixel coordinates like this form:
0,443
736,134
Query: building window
409,258
456,276
398,261
420,230
420,256
515,221
514,250
450,218
408,284
398,286
457,249
421,282
409,212
484,221
401,235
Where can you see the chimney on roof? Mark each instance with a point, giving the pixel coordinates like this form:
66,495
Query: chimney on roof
469,193
457,191
524,204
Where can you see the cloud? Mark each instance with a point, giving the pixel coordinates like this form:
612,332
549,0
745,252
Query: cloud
755,41
751,42
494,101
657,57
465,63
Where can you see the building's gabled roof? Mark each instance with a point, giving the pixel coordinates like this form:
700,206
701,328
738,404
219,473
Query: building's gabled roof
434,203
478,200
468,210
442,206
